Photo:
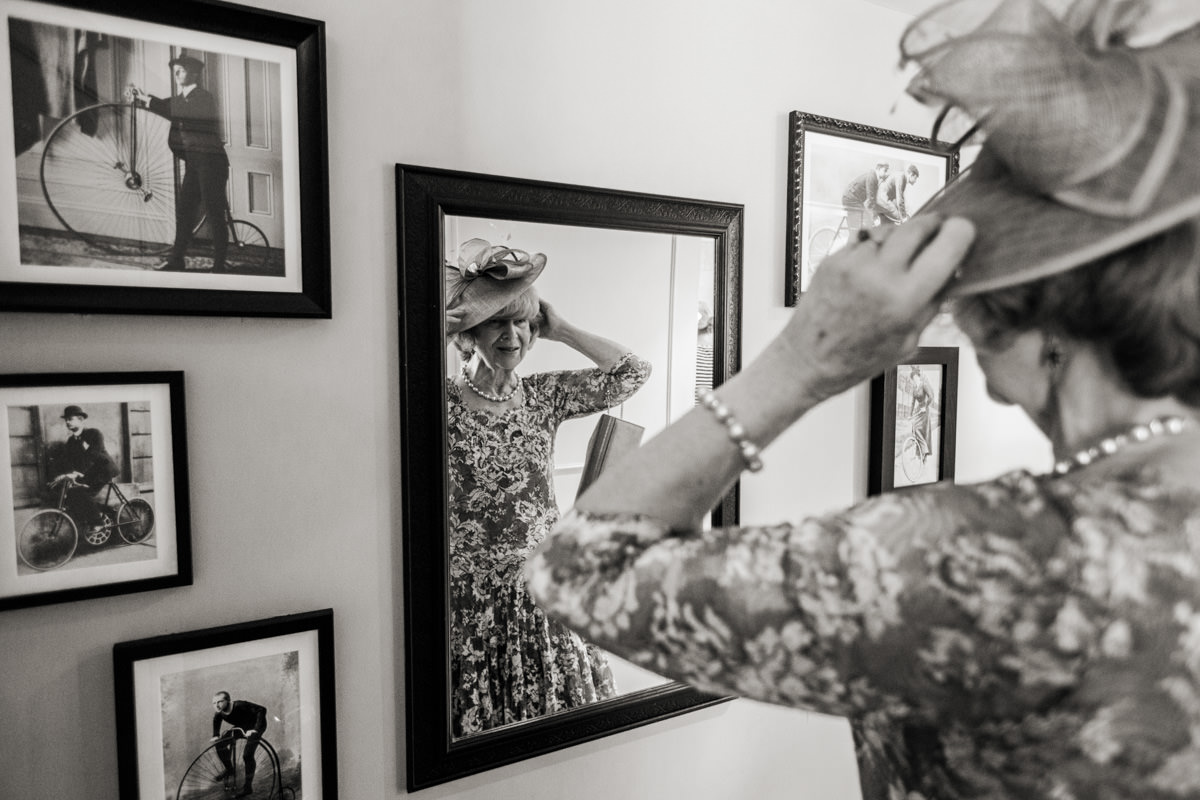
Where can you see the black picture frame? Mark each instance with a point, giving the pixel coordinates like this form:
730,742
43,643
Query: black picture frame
894,461
425,197
285,664
139,536
86,239
824,156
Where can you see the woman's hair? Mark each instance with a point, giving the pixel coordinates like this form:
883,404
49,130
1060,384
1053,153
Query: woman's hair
525,306
1140,306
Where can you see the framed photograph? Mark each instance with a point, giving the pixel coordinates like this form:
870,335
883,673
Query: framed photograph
242,710
94,497
162,159
913,409
844,177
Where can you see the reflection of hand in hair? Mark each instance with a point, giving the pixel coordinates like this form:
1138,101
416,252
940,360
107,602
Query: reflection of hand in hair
551,322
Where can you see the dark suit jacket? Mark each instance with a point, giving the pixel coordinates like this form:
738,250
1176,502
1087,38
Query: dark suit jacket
195,126
86,454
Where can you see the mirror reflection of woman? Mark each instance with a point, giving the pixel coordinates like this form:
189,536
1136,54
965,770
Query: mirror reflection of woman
508,661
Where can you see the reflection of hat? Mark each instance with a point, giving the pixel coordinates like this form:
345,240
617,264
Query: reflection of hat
73,411
487,279
1092,145
190,63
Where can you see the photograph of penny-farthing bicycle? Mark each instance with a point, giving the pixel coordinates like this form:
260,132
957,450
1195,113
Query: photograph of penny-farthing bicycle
144,159
132,146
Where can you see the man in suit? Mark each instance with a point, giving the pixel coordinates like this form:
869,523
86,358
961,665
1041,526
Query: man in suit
860,198
248,718
84,461
892,200
194,138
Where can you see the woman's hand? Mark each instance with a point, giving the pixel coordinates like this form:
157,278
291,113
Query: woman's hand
869,302
553,327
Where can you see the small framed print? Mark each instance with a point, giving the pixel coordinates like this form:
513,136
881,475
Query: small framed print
243,710
94,496
844,177
162,158
913,411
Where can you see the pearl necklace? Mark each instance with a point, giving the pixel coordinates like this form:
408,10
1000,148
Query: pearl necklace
495,398
1142,432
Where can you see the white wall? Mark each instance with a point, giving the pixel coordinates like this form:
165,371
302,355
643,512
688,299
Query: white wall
292,425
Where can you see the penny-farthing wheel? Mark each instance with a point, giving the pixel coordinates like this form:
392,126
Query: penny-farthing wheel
209,777
109,177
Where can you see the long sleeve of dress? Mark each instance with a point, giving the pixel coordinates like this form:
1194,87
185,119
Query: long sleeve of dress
577,393
974,635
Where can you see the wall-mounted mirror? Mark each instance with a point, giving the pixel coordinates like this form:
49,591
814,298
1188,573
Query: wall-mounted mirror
640,270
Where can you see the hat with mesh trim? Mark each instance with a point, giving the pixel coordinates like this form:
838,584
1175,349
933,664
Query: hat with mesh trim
1092,144
487,278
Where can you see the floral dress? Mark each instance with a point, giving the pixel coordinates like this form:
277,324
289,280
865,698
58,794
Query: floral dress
508,662
1029,637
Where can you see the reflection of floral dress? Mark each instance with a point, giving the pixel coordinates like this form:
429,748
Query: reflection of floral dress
1031,638
507,661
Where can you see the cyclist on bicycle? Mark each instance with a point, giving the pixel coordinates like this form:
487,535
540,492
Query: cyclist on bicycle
245,719
82,460
893,206
922,400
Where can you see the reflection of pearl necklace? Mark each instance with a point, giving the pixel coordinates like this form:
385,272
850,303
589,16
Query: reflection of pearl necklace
1142,432
495,398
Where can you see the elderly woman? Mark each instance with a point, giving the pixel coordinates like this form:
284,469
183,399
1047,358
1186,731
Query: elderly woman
508,661
1034,636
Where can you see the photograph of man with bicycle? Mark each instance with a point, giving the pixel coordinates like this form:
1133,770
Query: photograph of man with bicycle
75,497
237,747
151,158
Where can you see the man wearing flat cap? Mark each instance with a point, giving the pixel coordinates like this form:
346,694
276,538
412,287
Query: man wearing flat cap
195,139
84,460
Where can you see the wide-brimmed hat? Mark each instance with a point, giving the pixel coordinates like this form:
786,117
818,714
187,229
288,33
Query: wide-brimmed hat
1091,144
73,411
190,63
486,279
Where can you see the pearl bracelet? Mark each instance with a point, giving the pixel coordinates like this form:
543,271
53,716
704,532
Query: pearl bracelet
736,431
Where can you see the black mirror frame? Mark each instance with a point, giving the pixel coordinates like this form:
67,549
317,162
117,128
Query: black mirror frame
424,197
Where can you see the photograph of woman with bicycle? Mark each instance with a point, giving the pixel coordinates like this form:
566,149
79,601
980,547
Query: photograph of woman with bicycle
918,425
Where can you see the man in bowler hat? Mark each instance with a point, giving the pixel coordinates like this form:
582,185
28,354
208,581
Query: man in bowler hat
195,139
84,460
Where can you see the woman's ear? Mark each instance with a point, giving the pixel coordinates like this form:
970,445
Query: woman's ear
1054,352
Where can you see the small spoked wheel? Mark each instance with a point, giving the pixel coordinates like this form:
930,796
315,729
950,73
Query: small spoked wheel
822,244
911,460
135,520
100,532
48,539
